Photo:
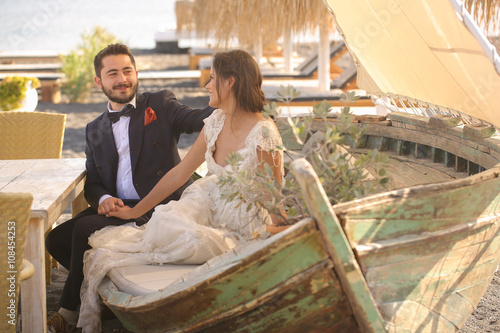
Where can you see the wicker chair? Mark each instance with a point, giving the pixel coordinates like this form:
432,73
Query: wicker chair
32,135
14,217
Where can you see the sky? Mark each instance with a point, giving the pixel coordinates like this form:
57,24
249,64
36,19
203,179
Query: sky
58,24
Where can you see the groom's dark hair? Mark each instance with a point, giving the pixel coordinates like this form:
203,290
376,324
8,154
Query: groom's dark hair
112,49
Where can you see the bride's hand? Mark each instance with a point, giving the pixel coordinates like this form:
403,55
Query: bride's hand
124,213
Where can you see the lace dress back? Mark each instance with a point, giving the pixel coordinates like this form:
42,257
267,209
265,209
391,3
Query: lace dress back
197,227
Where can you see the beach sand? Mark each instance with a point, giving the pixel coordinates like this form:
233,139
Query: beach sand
486,318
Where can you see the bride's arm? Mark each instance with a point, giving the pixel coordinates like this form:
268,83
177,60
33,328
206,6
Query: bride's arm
174,179
274,160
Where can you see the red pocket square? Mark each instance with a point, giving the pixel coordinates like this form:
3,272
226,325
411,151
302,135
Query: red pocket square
149,116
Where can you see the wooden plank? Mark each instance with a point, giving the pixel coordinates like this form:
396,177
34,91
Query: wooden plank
466,236
313,100
34,318
40,75
484,152
460,249
155,75
479,130
419,209
445,120
421,125
41,67
361,230
446,315
481,153
364,308
400,290
8,57
79,204
405,171
54,192
435,295
223,288
314,300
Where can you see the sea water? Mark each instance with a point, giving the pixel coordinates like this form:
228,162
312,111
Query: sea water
57,25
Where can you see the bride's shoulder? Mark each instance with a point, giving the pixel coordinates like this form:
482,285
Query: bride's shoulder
269,124
214,124
216,115
266,131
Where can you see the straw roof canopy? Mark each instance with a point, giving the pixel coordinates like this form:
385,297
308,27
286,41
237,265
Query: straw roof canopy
249,20
184,15
485,12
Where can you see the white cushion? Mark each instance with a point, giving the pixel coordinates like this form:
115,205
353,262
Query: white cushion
138,280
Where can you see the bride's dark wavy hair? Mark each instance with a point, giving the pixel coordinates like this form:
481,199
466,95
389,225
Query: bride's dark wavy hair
247,87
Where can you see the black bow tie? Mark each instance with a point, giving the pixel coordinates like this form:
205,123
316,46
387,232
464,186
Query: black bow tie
125,112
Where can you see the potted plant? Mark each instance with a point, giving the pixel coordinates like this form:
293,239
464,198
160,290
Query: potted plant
344,178
19,93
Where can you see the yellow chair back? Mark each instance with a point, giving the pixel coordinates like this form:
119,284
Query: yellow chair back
14,217
31,135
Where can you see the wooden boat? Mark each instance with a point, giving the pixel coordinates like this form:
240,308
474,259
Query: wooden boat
416,258
427,252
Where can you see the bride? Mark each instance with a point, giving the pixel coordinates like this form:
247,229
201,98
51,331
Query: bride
201,224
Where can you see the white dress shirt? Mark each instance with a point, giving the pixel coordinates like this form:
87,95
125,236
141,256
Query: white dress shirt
124,183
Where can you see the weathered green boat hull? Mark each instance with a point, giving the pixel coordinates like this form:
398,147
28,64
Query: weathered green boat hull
426,253
287,282
429,252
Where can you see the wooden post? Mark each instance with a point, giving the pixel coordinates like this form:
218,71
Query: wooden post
287,50
33,289
347,268
324,58
258,49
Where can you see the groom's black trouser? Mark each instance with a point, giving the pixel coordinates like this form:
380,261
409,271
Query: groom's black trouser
68,242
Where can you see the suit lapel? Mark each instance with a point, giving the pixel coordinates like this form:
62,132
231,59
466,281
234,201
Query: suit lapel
136,130
108,144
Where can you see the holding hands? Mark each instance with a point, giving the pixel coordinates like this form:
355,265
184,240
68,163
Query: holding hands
122,212
108,205
114,207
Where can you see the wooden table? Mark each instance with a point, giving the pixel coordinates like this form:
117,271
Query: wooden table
55,184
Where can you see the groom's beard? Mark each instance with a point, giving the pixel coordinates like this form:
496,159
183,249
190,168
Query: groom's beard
115,97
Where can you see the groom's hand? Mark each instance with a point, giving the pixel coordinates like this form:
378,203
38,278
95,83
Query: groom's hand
124,213
109,205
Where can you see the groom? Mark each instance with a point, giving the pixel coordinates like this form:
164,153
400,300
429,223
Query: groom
129,148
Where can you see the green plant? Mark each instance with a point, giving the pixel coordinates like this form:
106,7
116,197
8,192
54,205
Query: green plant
13,91
78,65
329,152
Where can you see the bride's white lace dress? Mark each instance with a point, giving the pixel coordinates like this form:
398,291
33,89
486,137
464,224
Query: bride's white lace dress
199,226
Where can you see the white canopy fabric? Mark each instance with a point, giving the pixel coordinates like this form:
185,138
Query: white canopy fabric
427,50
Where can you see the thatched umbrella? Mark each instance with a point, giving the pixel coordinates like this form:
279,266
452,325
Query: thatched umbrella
246,19
255,23
184,15
485,12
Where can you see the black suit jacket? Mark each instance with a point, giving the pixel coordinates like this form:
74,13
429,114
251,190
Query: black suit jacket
153,148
